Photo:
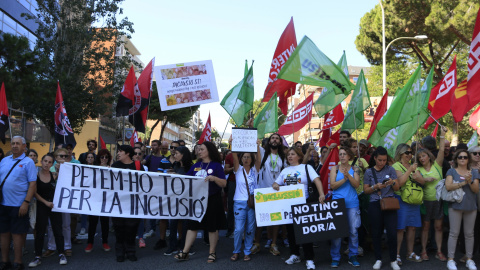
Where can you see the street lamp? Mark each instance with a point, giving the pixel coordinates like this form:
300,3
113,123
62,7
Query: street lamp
384,50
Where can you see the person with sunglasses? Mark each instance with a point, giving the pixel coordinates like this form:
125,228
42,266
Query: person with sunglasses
102,159
430,169
408,216
462,176
173,146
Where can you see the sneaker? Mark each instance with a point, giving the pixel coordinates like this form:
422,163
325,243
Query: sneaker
335,264
269,243
160,244
83,231
148,234
255,248
141,243
310,265
63,259
399,260
353,261
48,253
451,265
106,247
286,243
89,248
274,250
394,265
293,259
414,257
35,262
377,265
170,251
471,265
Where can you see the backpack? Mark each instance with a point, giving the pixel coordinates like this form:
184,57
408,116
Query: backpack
411,193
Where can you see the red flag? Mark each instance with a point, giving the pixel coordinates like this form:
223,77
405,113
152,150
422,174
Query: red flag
441,95
139,118
381,110
102,143
331,161
326,133
460,101
283,99
298,118
335,138
4,121
474,120
207,132
285,47
130,98
434,133
134,139
335,117
63,129
473,63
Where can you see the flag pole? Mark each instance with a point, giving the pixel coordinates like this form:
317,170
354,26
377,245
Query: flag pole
434,120
123,130
356,132
418,136
308,115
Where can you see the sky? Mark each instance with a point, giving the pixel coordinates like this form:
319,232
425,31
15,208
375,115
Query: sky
229,32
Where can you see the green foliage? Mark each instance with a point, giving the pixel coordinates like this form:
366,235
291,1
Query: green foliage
397,75
215,134
258,105
80,56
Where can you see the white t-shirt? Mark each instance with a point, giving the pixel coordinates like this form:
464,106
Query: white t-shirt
270,170
241,187
296,175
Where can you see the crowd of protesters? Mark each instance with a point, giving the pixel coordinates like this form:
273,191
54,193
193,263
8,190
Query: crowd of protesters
364,177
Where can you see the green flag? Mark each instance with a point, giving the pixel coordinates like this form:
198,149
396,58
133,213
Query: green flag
403,133
473,140
267,120
402,109
239,100
360,102
328,100
308,65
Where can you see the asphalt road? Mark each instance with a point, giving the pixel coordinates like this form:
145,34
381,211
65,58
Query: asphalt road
154,259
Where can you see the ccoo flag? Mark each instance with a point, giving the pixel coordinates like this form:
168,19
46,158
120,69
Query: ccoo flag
139,118
360,102
473,84
239,100
460,101
4,120
308,65
63,129
267,120
298,118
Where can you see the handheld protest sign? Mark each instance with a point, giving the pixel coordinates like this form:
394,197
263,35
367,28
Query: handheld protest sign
318,222
186,84
244,140
274,207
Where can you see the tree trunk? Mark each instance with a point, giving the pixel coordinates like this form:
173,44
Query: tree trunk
164,124
454,134
151,132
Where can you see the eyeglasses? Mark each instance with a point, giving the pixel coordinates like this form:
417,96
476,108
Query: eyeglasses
342,154
408,152
462,157
62,156
138,153
475,153
173,147
103,157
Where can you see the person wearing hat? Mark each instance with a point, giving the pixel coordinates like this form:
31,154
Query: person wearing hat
364,145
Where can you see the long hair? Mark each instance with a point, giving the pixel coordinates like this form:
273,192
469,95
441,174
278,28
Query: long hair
186,157
455,158
213,153
268,150
428,153
103,152
401,149
380,151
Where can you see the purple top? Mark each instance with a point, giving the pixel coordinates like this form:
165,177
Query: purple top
204,169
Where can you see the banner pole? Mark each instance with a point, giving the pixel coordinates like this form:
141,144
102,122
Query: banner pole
356,132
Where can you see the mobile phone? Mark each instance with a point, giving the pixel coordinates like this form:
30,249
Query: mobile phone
385,181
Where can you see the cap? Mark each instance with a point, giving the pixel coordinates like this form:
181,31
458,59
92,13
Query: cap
364,142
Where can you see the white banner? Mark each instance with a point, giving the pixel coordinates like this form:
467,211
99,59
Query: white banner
275,207
102,191
186,84
244,140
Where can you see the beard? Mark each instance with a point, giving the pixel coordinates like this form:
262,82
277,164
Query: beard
273,146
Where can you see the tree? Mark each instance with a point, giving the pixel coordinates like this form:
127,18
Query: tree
180,117
448,25
257,108
80,56
214,135
397,75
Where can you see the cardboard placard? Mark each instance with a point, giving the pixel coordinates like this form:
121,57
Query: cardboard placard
318,222
186,84
244,140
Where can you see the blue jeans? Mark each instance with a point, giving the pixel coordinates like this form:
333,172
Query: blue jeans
353,215
244,215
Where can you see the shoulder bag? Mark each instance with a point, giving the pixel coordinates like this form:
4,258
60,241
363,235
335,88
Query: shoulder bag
312,189
5,179
251,199
412,192
388,203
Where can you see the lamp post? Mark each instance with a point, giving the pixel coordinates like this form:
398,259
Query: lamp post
384,50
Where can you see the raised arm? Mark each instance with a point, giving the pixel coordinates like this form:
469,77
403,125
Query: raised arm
236,163
307,155
258,158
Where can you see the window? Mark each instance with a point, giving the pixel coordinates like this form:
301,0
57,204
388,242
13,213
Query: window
355,79
9,25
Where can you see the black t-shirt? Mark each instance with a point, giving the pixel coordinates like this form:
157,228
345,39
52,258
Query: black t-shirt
83,157
46,190
121,165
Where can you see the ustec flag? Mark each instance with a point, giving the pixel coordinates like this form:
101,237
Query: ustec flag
298,118
473,84
63,130
139,118
4,122
130,99
441,95
286,45
207,132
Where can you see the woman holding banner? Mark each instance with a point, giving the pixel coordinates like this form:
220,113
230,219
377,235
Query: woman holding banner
380,182
210,167
246,173
344,182
297,173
